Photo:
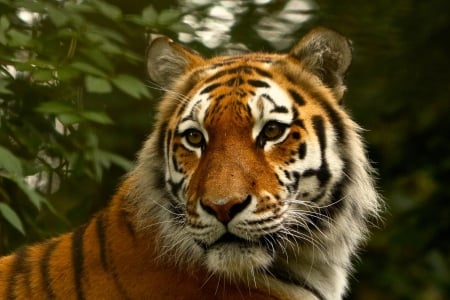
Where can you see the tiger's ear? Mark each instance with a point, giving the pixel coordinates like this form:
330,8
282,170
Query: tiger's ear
167,60
327,54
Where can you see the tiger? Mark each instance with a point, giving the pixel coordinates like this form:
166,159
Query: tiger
254,184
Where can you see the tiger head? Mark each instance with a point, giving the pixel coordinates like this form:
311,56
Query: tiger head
256,164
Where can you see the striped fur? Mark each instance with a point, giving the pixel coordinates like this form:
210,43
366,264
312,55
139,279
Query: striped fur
253,185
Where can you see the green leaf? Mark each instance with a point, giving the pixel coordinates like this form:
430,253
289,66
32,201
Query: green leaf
149,15
168,16
108,10
87,68
66,74
181,27
3,87
4,25
18,39
10,162
57,16
32,6
11,217
43,75
97,85
130,85
70,118
97,117
35,198
95,55
54,107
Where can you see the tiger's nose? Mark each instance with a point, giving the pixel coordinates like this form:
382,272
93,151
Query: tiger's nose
225,209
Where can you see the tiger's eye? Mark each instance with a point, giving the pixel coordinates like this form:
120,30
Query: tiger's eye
194,138
273,130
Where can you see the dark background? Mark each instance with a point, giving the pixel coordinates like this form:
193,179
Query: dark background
398,90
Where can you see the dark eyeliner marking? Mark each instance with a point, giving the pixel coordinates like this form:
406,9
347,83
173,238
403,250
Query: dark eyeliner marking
258,83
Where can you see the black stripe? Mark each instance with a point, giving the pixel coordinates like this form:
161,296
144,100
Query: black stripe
235,81
238,59
187,87
169,137
20,267
175,163
299,123
111,266
169,140
335,118
277,108
323,174
101,235
239,69
159,182
258,83
332,113
175,187
319,128
268,98
280,109
45,269
302,150
283,274
78,260
297,98
262,72
336,205
160,133
220,97
295,182
193,110
210,88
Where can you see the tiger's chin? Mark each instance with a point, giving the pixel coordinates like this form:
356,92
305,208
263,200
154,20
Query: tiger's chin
237,258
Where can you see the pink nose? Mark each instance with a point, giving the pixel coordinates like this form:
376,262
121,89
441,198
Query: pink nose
225,209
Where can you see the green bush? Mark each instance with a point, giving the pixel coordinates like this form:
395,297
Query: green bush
69,72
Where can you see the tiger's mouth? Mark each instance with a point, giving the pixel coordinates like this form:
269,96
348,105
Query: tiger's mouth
229,238
231,255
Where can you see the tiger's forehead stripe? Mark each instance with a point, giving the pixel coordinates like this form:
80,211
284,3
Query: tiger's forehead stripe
236,75
230,74
239,69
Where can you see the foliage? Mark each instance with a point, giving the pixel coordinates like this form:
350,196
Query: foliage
398,89
71,118
66,68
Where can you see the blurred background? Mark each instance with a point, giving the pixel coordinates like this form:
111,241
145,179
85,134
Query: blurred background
76,105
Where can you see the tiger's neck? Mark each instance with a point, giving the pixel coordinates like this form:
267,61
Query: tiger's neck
151,260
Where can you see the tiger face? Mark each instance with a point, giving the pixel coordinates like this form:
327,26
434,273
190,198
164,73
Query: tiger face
258,152
245,153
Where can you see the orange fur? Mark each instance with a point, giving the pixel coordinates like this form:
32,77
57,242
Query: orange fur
133,270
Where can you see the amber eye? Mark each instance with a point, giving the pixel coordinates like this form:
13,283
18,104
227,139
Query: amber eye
194,138
273,130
